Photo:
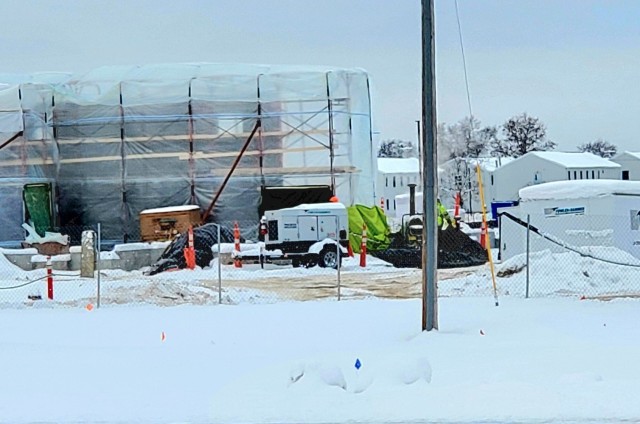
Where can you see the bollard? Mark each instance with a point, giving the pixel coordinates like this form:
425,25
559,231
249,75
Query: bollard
363,247
49,279
237,262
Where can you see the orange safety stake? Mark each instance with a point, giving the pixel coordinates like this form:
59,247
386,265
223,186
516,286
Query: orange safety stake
363,247
237,262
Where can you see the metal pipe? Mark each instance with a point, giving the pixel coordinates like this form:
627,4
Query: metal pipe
412,199
98,265
219,268
526,295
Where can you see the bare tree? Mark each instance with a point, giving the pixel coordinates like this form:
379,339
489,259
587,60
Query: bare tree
523,134
466,138
599,147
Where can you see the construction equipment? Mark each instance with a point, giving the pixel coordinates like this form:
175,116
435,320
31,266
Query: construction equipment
455,248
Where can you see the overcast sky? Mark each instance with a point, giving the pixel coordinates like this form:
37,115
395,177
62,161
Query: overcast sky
575,64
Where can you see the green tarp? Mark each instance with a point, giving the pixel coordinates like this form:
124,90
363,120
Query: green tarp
377,228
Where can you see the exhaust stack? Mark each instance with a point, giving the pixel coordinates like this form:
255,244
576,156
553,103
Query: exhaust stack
412,199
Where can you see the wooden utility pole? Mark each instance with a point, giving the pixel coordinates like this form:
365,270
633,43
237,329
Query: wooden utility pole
429,173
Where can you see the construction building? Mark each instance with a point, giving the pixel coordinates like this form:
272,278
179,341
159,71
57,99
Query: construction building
101,147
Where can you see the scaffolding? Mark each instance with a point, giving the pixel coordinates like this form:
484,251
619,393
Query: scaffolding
119,140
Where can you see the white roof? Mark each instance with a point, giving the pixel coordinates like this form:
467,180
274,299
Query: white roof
398,165
579,189
182,208
491,163
576,159
634,154
314,206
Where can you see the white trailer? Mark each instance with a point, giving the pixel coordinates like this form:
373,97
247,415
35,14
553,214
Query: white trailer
307,234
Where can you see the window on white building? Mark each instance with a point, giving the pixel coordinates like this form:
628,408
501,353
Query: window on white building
394,180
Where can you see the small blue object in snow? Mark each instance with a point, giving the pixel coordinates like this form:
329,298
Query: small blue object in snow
358,364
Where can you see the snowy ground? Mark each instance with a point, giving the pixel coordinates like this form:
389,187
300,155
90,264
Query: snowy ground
259,358
532,360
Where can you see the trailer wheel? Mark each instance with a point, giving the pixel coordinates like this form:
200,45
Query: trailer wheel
329,257
295,262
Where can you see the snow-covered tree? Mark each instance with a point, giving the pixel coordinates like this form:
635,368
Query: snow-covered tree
466,138
523,134
395,148
599,147
457,176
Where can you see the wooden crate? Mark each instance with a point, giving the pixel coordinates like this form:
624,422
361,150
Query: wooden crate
165,223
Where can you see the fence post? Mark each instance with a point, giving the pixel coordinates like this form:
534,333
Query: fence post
339,265
528,249
98,264
219,268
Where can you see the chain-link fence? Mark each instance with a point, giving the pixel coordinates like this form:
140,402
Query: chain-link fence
574,254
586,256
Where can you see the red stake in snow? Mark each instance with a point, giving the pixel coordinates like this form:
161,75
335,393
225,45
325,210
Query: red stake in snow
49,279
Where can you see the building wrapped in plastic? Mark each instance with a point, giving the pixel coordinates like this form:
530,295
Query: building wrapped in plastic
119,140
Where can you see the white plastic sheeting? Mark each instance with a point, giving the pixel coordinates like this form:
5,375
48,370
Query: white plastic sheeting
118,140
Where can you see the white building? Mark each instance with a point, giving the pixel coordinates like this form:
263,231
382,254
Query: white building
542,167
393,178
629,165
598,217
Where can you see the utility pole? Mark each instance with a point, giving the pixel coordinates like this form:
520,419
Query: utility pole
420,159
429,174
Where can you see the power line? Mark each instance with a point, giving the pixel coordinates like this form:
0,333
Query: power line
464,61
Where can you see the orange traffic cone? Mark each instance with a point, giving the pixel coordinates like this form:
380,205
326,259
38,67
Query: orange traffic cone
190,252
237,262
483,236
363,247
349,250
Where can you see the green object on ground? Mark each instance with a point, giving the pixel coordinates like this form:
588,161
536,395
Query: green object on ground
377,228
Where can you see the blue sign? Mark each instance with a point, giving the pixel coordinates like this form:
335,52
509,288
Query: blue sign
358,364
